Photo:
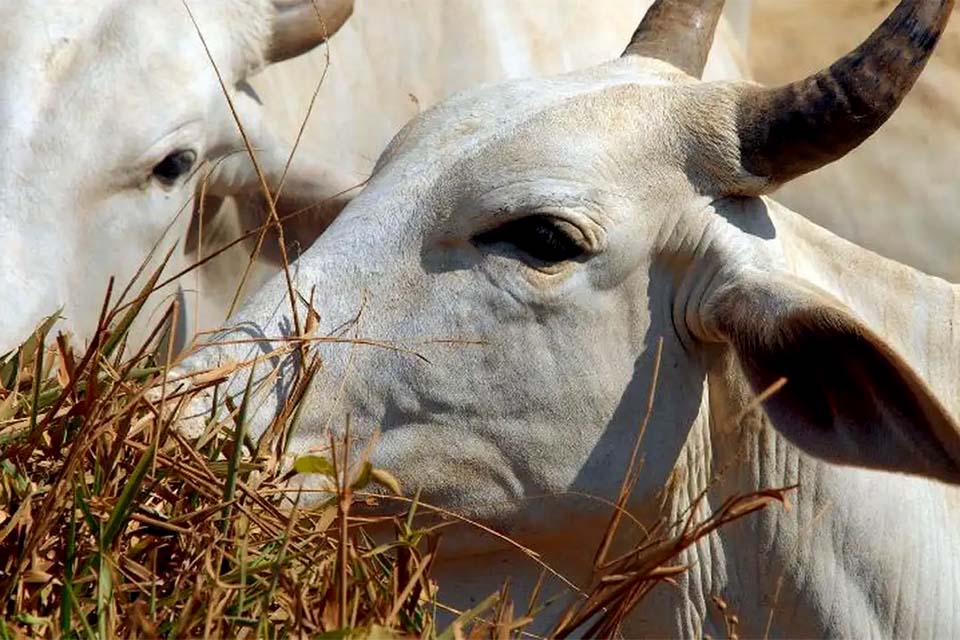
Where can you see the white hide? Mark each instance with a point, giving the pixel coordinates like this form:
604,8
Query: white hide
91,101
93,97
533,379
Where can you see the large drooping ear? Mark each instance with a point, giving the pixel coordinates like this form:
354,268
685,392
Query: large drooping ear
312,195
301,25
848,398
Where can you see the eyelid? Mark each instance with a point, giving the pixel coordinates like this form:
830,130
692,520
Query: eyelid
577,222
188,135
537,240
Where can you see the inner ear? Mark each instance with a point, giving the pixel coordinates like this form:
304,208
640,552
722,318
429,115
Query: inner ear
837,372
849,397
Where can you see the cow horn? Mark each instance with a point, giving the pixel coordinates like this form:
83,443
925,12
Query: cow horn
787,131
300,25
679,32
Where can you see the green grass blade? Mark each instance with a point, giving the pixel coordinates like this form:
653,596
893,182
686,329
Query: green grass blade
92,522
120,513
37,383
104,595
76,605
8,372
29,348
230,486
467,617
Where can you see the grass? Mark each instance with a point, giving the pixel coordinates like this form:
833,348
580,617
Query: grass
113,525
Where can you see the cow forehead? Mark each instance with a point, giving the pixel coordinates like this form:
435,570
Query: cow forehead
45,46
497,117
524,144
45,35
66,65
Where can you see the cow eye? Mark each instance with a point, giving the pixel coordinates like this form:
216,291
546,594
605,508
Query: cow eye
545,239
174,166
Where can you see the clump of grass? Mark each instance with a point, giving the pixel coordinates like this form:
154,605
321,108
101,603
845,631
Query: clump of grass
113,525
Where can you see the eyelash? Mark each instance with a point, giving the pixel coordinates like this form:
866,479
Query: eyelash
538,237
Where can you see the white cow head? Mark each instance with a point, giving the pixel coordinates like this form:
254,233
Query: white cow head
110,109
522,248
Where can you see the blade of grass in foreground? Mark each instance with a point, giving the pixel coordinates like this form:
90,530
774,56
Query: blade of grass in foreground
125,505
455,629
230,486
66,622
104,594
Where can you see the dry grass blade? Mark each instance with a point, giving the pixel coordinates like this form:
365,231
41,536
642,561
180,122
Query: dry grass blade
628,580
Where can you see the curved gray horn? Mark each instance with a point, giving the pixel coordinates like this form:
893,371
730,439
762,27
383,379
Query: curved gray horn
679,32
791,130
300,25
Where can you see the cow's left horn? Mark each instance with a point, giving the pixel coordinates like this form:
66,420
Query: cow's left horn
679,32
791,130
300,25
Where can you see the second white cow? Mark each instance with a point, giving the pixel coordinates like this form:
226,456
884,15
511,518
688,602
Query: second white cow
110,111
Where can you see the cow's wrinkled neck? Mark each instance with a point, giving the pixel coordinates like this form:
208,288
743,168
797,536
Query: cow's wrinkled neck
848,558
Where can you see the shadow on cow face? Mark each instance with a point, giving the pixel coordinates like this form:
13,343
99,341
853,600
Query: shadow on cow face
111,111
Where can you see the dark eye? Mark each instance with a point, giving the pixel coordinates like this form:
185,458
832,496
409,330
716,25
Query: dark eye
539,237
174,166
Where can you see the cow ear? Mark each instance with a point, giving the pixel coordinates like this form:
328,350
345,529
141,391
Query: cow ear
848,398
231,202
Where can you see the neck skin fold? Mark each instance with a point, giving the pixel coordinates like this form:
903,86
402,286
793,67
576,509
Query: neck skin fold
858,552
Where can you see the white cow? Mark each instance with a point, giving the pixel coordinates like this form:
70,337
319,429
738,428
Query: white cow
108,109
533,241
